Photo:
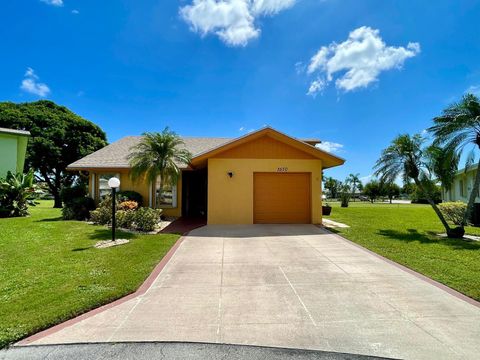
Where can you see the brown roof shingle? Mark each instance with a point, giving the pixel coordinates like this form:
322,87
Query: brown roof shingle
115,154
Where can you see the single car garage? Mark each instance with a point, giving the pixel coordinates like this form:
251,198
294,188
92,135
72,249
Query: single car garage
281,198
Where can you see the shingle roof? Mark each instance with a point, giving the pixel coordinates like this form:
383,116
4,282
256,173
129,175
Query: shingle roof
14,131
115,154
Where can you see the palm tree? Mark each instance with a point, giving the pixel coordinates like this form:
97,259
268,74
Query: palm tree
158,156
405,158
457,127
354,180
443,163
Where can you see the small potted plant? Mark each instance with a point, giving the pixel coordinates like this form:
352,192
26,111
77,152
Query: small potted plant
326,209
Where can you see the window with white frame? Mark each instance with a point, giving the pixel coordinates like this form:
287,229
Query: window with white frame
103,188
168,196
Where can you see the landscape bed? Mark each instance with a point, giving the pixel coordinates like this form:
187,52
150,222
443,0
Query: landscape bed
407,234
51,272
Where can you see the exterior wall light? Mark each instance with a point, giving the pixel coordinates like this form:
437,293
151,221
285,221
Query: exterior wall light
114,184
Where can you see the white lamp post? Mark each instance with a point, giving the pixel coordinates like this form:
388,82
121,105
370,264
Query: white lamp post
113,183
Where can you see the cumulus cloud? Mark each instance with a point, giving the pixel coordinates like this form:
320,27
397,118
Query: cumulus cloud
329,146
53,2
233,21
32,85
357,62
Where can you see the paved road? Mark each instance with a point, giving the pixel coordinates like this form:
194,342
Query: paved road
288,286
168,351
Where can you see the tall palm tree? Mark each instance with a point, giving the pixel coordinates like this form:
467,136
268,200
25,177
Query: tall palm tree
457,127
158,155
354,180
405,158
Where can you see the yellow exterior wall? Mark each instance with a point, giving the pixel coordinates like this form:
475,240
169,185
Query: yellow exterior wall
126,183
230,200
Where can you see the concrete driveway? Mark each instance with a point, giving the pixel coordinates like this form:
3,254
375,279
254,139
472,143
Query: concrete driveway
288,286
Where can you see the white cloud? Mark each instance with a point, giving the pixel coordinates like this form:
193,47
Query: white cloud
233,21
241,128
31,84
329,146
270,7
358,61
75,11
474,89
53,2
365,179
316,86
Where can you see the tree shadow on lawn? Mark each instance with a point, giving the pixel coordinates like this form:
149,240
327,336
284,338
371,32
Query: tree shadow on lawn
59,218
429,237
106,234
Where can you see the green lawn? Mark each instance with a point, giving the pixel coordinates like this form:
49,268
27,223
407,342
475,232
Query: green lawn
50,272
406,234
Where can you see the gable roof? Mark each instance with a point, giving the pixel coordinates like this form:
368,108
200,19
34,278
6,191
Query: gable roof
115,155
328,160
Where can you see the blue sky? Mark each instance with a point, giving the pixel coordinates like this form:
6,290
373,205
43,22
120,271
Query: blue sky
374,68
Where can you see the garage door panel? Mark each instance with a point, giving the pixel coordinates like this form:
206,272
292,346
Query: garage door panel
282,198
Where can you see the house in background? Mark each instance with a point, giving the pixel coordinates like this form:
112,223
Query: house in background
462,186
263,177
13,147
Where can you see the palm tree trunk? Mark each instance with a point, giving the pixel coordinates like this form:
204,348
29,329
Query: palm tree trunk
473,195
159,195
434,207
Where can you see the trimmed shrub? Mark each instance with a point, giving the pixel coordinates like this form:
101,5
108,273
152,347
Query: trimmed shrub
78,208
128,205
76,204
125,218
129,195
453,211
146,219
101,216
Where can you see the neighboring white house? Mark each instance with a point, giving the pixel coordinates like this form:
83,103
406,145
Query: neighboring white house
461,187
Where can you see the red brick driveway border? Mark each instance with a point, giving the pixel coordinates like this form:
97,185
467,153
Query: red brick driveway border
140,291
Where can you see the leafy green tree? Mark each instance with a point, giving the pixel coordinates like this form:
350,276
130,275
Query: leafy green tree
158,156
456,128
405,158
354,181
333,186
58,138
373,190
390,190
408,188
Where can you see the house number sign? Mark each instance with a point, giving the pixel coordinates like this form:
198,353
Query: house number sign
282,169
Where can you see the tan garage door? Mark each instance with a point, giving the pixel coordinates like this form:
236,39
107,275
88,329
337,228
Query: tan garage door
281,198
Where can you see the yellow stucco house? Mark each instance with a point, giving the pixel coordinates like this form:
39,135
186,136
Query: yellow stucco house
263,177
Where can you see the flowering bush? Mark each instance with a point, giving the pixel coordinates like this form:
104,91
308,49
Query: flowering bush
128,205
128,215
